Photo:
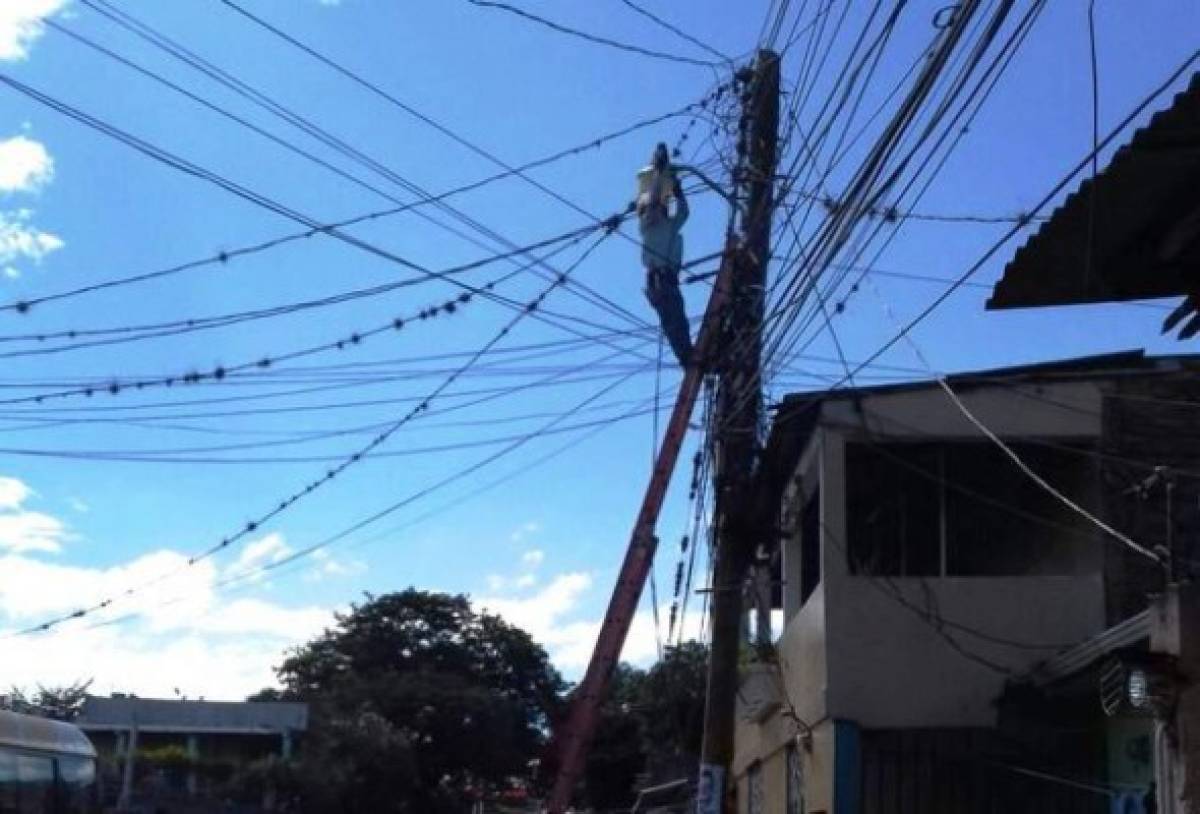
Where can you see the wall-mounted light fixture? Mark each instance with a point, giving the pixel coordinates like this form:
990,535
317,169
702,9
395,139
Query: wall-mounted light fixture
1138,683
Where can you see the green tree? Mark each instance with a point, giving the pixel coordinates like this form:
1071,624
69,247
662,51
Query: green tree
59,703
618,751
649,729
672,709
419,686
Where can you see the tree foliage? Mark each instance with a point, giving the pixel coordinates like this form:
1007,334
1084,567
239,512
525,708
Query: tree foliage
419,703
650,727
59,703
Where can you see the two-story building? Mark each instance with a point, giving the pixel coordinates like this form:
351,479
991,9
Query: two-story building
922,578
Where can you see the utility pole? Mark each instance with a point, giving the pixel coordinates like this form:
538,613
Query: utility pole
739,410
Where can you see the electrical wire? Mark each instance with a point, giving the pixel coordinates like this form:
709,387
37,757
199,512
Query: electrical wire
176,50
405,107
1055,190
253,577
592,38
123,334
676,30
224,257
331,473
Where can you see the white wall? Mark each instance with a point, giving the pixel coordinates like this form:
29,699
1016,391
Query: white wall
929,412
890,668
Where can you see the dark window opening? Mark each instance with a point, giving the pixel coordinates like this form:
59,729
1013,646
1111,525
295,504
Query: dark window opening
810,546
893,516
965,509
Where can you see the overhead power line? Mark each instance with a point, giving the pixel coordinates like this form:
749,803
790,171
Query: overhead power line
254,575
676,31
340,145
205,455
330,474
263,201
1058,187
120,385
132,333
226,256
400,104
122,334
593,38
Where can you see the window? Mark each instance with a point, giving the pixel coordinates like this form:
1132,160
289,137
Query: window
810,545
8,782
963,509
999,522
795,781
77,778
35,784
892,515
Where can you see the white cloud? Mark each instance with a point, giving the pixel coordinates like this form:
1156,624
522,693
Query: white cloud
23,530
13,493
171,633
21,25
256,554
525,530
531,560
327,565
243,617
25,165
21,240
552,617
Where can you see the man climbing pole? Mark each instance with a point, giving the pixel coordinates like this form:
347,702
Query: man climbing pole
662,249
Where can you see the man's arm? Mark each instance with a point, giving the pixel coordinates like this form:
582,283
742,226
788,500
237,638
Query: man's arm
681,210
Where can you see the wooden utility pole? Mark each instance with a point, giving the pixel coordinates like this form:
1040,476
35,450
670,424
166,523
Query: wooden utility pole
739,411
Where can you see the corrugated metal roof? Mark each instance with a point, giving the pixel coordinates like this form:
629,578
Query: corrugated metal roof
1107,365
1133,630
165,715
42,734
1149,186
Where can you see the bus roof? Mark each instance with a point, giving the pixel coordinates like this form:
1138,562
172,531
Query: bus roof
43,735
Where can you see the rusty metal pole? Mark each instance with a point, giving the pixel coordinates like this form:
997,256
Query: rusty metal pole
739,411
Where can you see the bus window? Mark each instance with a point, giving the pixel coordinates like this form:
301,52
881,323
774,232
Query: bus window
76,777
35,784
8,783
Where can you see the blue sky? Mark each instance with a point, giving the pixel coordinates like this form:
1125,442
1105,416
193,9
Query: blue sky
77,208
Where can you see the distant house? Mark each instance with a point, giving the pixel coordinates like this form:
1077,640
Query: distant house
190,743
940,610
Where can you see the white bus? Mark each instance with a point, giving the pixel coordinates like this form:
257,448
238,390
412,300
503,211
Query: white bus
46,767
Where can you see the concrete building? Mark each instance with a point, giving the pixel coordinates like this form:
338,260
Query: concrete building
922,578
185,746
